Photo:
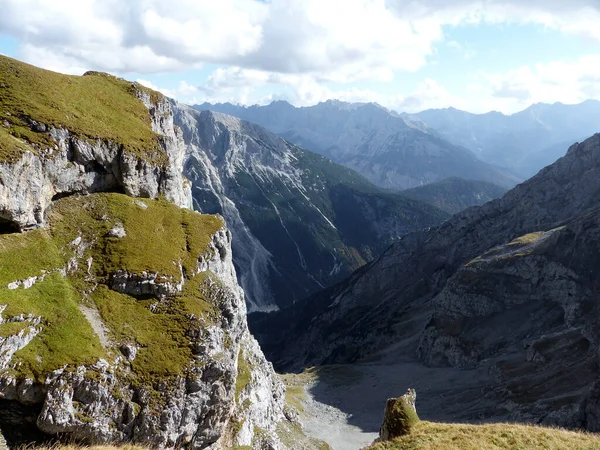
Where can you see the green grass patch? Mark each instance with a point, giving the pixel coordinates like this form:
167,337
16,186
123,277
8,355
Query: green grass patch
527,238
27,255
12,328
11,147
66,337
159,239
244,375
96,106
292,436
295,396
93,447
164,346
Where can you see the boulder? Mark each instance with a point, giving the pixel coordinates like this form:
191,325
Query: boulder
399,417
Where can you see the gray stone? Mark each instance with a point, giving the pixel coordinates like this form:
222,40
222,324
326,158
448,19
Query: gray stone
3,445
117,231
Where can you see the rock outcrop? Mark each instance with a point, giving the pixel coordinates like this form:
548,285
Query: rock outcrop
121,319
168,366
78,166
75,162
399,416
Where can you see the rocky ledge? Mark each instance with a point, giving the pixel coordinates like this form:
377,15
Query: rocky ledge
49,152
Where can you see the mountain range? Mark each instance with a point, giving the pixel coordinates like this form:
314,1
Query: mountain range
509,288
378,142
386,148
523,142
299,221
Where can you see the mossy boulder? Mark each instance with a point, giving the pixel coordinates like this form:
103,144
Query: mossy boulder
399,417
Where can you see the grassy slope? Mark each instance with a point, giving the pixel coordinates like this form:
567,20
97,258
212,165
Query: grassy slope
94,447
94,106
440,436
158,239
291,433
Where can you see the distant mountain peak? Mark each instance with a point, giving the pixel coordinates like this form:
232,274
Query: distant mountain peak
378,143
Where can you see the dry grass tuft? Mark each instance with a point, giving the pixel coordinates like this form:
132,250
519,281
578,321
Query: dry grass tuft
442,436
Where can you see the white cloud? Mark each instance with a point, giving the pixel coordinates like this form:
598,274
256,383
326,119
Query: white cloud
299,46
132,36
507,92
184,91
336,40
554,81
238,85
579,17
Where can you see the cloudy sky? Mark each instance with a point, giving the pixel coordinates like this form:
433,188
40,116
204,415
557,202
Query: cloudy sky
408,55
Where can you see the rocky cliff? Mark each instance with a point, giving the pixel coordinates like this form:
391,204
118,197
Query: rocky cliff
63,135
129,324
510,286
121,318
300,222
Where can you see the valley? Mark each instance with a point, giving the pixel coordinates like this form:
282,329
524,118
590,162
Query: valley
300,222
314,275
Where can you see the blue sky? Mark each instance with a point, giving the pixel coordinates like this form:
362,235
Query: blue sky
407,55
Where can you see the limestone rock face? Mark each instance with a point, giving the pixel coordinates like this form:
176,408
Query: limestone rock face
79,166
215,389
121,319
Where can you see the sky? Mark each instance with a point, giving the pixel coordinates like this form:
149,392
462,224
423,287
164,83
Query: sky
407,55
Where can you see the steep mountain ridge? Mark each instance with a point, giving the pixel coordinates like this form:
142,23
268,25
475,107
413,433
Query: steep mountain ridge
441,292
525,141
300,222
379,144
121,319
